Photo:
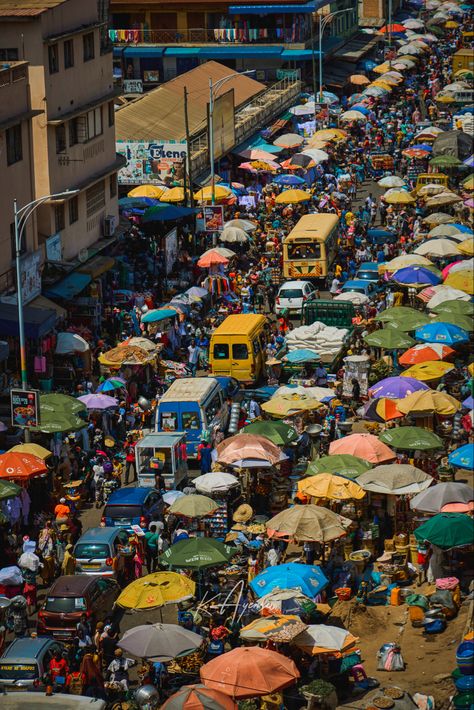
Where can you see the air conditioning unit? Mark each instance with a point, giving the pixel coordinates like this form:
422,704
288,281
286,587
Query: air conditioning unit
110,225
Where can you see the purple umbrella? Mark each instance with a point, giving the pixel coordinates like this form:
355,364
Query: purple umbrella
416,275
98,401
396,387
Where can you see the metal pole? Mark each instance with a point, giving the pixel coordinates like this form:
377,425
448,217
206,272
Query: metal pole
390,23
211,142
321,28
313,58
21,324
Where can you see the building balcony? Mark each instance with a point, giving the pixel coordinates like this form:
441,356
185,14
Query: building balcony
299,38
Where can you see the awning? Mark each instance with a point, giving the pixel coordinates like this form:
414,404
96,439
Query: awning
272,130
356,47
38,322
238,51
46,304
302,7
337,73
299,55
97,266
4,350
69,287
256,141
182,51
144,52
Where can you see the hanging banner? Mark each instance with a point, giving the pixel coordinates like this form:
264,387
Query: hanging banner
153,163
25,407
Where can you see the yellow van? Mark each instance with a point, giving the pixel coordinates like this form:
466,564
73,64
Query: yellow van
431,179
237,348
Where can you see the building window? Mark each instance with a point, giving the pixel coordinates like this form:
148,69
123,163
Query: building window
14,144
68,53
95,198
53,58
113,185
111,111
73,139
73,210
59,222
61,138
8,54
88,45
86,127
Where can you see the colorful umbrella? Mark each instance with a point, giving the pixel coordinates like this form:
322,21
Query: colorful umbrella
59,414
307,522
441,294
290,180
205,194
447,530
389,339
175,194
445,333
111,384
366,446
466,247
396,387
399,197
156,590
429,401
437,248
421,353
403,318
98,401
345,464
465,322
289,404
34,449
404,260
278,628
289,140
158,314
321,639
20,466
287,601
463,457
160,642
416,276
153,191
381,410
437,497
308,579
249,672
198,697
288,197
167,213
461,280
397,479
278,433
213,258
247,446
330,486
427,371
194,506
9,490
197,553
411,438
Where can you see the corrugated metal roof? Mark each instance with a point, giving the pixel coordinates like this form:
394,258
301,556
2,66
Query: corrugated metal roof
159,114
26,8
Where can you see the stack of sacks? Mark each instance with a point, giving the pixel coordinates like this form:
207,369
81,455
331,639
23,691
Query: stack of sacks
318,337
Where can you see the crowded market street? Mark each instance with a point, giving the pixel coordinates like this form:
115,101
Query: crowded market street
248,483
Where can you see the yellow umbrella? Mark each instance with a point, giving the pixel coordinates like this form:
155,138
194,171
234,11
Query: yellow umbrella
330,134
281,627
429,370
468,183
382,68
462,280
451,24
174,194
359,80
155,590
288,197
399,262
429,401
146,191
399,197
409,57
467,247
34,449
331,486
285,405
444,99
383,85
220,193
470,369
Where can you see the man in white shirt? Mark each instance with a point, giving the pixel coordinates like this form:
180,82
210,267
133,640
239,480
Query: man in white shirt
193,357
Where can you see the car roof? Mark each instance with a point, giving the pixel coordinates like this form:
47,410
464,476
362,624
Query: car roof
71,585
369,265
355,282
292,284
99,535
131,496
27,647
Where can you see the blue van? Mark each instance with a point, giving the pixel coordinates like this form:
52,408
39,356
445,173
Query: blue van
132,506
194,405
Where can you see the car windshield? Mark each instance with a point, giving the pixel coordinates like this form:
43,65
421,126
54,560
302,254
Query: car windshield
291,293
369,275
355,289
65,605
91,550
122,512
18,671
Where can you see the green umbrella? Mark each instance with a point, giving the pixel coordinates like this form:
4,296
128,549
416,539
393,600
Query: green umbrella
409,322
59,412
411,437
389,339
462,321
9,490
396,313
56,402
197,553
279,433
462,308
346,464
445,161
447,530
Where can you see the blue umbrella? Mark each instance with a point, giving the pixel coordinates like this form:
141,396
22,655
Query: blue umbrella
165,213
469,161
468,402
137,202
460,458
111,384
361,108
301,355
368,64
422,146
308,579
416,275
158,314
445,333
461,227
289,180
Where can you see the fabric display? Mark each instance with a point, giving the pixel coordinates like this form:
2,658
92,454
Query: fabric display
217,284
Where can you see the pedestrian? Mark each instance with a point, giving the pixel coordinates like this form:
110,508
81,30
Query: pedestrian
47,548
151,547
69,562
129,449
118,669
193,357
204,456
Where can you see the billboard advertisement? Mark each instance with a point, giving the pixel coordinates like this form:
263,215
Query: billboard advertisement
223,124
156,162
25,407
213,218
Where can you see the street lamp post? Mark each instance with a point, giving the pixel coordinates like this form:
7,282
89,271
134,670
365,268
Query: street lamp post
213,88
21,216
323,21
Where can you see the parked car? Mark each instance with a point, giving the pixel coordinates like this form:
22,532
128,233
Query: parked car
368,271
25,662
368,288
95,550
133,506
73,595
292,295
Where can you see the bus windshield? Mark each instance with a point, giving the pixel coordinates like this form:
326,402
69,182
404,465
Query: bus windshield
307,250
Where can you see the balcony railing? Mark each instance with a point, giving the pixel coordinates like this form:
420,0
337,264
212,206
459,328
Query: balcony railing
207,36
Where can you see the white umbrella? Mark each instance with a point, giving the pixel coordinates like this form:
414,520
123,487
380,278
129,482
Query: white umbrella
322,636
412,24
319,393
215,482
161,642
353,115
429,131
444,230
353,297
391,181
467,265
303,109
233,235
437,248
244,224
319,156
226,253
67,343
446,293
431,188
395,479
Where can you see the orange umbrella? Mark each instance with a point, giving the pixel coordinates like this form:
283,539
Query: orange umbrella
248,672
425,353
365,446
212,258
387,409
198,697
359,80
20,466
247,446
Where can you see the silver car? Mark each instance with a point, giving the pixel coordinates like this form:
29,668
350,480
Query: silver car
97,548
26,661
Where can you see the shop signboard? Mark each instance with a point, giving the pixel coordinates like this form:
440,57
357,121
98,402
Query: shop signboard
151,162
132,86
30,266
25,407
213,218
54,250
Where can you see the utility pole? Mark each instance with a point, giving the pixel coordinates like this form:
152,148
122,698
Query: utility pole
188,169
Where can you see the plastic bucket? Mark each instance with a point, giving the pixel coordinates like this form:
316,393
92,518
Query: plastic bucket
464,683
465,657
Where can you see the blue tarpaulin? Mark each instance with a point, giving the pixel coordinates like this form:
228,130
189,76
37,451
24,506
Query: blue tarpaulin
240,51
148,52
299,54
182,51
69,287
38,321
297,8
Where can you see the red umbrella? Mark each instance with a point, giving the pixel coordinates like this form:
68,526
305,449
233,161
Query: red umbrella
20,466
198,697
212,258
393,28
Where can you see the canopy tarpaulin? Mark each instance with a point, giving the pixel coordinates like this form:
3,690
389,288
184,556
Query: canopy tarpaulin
455,143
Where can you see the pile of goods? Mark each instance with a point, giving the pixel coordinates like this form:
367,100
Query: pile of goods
320,338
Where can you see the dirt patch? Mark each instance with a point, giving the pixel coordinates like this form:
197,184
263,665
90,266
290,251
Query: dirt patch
363,621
